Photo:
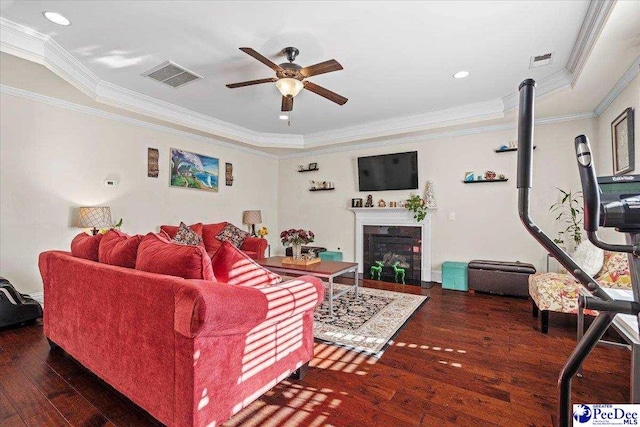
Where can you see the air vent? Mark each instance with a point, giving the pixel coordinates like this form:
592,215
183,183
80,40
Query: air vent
541,60
171,74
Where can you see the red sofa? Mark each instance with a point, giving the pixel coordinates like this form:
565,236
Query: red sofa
252,246
190,352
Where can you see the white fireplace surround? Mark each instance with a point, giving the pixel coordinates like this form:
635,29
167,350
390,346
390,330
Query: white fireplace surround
391,217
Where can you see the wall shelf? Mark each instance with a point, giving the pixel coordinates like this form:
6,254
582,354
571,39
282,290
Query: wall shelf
321,189
308,170
486,180
509,150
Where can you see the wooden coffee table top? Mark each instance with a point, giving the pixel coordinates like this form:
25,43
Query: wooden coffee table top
323,267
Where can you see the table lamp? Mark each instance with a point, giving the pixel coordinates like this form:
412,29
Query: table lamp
95,217
252,218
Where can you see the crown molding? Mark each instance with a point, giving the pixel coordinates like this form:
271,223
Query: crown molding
26,43
32,96
419,122
440,135
626,78
594,21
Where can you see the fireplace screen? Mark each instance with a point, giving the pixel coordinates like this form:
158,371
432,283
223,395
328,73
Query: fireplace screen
392,254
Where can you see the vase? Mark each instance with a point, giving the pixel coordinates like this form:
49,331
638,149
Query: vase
297,251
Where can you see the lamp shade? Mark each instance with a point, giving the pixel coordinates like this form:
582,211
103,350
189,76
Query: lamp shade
95,217
289,87
252,217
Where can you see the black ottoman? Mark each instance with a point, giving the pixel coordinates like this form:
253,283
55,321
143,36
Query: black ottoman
500,277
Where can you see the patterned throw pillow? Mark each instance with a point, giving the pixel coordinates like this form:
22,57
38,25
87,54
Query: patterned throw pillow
186,236
233,235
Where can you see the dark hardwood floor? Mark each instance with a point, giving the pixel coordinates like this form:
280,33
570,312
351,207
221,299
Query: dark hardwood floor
463,359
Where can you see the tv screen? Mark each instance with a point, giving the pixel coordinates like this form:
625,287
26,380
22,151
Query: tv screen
397,171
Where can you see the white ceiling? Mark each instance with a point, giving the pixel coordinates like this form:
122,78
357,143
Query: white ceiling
398,57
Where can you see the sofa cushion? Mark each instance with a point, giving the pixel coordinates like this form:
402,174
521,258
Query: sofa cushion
172,230
119,249
234,267
589,257
86,246
234,235
210,236
186,236
156,254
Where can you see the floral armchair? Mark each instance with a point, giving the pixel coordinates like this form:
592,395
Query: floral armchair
559,292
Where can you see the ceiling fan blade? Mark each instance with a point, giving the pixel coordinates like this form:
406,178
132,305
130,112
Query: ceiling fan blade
321,68
251,82
325,93
265,61
287,103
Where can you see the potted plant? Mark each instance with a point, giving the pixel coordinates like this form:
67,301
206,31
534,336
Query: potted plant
417,205
296,238
570,215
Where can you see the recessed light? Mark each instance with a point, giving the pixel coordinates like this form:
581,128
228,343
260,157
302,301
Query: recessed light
56,18
283,117
460,74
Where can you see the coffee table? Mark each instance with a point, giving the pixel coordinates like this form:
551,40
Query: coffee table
324,269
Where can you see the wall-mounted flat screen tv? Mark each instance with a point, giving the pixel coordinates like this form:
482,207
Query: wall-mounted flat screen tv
397,171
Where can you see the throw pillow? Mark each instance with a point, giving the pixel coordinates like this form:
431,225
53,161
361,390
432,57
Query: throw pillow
234,267
86,246
119,249
589,257
186,236
156,254
232,234
171,230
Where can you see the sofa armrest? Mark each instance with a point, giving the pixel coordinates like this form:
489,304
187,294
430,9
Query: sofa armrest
255,244
204,308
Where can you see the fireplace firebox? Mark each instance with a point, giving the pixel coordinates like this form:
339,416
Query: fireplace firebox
393,253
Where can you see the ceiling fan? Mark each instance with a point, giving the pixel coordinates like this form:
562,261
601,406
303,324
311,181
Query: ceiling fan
290,77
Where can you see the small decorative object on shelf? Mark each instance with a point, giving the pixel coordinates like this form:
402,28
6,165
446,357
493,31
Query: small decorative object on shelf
489,175
468,176
382,203
393,204
430,196
479,178
313,166
296,238
300,168
501,176
356,203
262,232
369,203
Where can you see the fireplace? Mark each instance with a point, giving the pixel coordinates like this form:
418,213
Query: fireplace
394,252
392,236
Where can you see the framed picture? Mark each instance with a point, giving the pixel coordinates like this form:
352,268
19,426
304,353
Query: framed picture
228,174
622,143
152,162
190,170
313,166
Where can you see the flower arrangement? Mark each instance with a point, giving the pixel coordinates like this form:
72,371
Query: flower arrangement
264,231
296,237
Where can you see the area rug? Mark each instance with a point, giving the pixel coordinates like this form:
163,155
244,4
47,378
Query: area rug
367,323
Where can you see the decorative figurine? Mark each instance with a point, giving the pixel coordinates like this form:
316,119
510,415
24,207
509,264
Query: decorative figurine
399,272
430,196
369,203
489,175
382,203
468,176
376,269
501,176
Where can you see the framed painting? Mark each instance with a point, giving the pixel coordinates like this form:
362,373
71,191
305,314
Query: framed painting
622,143
191,170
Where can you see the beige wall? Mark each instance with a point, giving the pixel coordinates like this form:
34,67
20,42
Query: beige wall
486,224
53,160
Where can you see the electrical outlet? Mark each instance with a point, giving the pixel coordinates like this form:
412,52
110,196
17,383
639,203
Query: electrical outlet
452,216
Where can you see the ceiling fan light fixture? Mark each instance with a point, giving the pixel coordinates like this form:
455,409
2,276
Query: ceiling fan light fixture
289,87
56,18
283,117
461,75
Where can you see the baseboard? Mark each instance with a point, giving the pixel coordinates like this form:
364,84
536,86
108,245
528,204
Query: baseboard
38,296
436,276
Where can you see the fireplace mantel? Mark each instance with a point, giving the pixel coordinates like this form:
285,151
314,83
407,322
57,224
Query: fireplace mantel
390,217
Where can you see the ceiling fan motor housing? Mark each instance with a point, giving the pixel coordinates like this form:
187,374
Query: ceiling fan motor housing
290,70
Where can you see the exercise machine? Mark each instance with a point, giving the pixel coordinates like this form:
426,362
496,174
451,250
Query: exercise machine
16,308
620,209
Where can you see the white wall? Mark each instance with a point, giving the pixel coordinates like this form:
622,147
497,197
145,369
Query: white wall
487,224
629,97
53,160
